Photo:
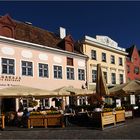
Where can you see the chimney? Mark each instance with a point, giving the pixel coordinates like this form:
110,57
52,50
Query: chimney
62,32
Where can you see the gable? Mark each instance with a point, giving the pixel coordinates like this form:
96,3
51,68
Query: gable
7,20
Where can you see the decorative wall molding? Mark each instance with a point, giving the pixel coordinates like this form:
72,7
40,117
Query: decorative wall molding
43,56
8,50
26,54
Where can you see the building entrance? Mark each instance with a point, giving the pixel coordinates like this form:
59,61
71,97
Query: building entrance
8,104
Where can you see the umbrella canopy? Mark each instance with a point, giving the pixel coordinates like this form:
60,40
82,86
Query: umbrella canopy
18,91
67,90
101,88
62,91
126,89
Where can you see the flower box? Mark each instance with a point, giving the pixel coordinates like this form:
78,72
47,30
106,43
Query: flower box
102,119
45,120
120,116
2,121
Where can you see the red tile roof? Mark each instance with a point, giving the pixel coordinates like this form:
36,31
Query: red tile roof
36,35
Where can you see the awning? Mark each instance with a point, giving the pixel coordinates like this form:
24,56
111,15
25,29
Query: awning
131,87
18,91
68,90
25,91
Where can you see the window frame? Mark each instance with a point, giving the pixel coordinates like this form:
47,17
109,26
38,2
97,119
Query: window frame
43,70
93,55
112,58
8,65
69,73
136,70
103,57
113,79
121,78
120,61
27,68
94,76
81,74
58,70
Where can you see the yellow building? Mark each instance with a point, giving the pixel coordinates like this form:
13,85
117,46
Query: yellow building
105,51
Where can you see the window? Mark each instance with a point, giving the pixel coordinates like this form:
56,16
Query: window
94,75
104,57
44,103
81,74
58,72
93,54
105,76
82,101
25,103
69,61
128,68
112,59
136,70
70,73
8,66
113,78
27,68
120,61
121,78
43,70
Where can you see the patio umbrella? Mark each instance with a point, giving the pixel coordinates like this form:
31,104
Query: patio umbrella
62,91
101,88
67,90
18,91
126,88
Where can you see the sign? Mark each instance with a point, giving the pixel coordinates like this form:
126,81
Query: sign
118,103
132,99
10,78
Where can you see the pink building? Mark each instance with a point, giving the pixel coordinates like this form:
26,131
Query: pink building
37,58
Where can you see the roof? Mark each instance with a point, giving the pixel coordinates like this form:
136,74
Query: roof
130,50
29,33
35,35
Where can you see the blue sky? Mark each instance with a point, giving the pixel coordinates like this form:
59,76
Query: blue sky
118,20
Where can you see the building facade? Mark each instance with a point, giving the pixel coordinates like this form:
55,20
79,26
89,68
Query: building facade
30,56
133,63
105,51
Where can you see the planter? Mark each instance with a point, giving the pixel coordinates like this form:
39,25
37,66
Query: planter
120,116
2,121
107,113
37,120
54,120
104,118
45,120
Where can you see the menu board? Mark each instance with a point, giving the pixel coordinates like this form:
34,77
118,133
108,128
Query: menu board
132,99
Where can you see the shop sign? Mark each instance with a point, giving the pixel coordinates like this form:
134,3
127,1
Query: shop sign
10,78
7,85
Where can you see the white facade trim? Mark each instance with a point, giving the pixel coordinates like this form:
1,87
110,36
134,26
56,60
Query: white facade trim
93,41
